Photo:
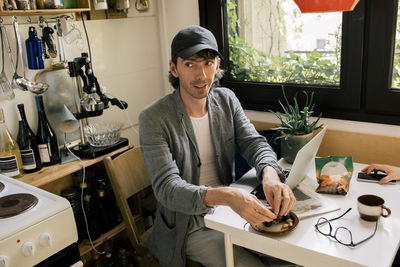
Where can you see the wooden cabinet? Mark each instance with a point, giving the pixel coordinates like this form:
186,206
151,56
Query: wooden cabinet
55,178
83,5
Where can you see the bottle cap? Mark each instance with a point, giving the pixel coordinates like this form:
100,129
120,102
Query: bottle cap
100,193
32,31
69,192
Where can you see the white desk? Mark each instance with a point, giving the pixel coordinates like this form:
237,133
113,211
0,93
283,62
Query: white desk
307,247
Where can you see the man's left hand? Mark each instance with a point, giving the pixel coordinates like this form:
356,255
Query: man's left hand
278,194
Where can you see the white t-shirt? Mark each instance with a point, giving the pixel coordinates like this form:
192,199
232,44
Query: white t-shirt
208,170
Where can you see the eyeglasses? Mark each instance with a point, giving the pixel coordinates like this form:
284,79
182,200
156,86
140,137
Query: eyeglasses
342,235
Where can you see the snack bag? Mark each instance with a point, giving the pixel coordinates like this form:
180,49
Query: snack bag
334,174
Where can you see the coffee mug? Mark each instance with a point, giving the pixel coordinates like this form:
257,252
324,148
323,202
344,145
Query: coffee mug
371,207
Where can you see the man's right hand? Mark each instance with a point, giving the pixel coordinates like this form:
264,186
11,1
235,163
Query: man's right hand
243,203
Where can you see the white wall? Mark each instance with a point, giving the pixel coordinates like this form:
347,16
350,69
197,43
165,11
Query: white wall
130,58
173,16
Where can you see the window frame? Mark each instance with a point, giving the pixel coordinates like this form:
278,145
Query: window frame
380,55
360,87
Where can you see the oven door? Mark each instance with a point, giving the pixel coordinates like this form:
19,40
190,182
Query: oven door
69,256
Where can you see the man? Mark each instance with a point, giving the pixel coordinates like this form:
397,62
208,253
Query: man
188,140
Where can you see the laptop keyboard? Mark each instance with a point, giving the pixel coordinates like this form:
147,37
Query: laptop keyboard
259,192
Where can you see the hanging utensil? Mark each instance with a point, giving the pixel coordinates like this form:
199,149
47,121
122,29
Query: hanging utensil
13,4
41,25
13,84
60,41
21,81
49,40
6,91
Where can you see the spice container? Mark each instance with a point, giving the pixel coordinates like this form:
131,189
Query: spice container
41,4
54,4
23,5
32,4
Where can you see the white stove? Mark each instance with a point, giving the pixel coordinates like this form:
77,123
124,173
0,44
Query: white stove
46,227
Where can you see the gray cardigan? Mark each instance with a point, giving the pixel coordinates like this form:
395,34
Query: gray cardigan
172,160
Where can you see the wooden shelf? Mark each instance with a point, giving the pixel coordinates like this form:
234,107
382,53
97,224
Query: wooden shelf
85,246
41,11
52,173
83,5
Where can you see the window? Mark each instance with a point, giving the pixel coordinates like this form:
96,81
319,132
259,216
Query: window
271,41
351,60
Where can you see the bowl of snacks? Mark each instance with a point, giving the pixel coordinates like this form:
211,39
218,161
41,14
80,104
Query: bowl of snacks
280,226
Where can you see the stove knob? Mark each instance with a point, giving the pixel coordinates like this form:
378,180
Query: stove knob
45,240
4,261
28,249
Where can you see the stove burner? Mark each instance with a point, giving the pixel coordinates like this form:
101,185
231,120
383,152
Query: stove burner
15,204
1,186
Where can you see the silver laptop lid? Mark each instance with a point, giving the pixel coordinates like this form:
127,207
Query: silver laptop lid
304,158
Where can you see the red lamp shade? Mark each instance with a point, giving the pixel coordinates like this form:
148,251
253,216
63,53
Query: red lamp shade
310,6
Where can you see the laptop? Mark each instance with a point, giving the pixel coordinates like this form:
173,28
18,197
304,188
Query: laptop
301,163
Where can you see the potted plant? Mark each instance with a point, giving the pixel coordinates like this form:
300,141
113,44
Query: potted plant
296,128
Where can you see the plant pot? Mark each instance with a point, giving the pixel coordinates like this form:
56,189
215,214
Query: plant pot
292,145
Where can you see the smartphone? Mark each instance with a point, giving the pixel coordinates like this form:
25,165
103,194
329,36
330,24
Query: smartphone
372,177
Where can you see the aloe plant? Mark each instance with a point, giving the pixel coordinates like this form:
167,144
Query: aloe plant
296,121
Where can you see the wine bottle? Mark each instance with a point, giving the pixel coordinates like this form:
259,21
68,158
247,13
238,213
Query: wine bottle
104,212
27,143
91,214
46,137
10,156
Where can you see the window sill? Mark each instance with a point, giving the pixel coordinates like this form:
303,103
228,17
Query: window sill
335,124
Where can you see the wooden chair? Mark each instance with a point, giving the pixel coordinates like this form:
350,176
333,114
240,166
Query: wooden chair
128,177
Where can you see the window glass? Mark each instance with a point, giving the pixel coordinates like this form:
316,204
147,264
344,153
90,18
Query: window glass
272,41
396,55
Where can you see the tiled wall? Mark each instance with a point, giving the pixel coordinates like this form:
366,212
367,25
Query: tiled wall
126,60
130,58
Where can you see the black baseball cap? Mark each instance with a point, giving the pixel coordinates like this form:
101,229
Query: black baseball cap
191,40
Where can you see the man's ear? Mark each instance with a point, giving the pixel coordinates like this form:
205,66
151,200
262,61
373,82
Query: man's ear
172,68
218,63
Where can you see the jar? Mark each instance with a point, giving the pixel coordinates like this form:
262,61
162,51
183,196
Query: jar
23,5
54,4
70,4
41,4
33,4
71,193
